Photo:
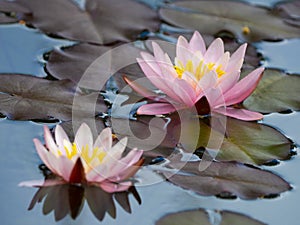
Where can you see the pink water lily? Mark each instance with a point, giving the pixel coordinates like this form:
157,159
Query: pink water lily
83,161
197,72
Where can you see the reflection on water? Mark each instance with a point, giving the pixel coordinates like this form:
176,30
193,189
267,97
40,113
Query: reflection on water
67,199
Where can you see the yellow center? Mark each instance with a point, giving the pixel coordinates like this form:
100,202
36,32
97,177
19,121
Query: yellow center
71,150
199,70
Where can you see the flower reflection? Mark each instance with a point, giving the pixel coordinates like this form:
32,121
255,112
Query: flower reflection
69,199
196,73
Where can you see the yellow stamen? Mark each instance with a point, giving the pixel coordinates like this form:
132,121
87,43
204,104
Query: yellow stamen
101,156
246,30
201,69
179,71
71,150
96,153
210,66
219,71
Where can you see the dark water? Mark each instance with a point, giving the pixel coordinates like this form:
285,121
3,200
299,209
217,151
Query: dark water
21,52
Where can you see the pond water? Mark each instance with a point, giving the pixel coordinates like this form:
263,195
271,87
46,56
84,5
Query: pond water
21,52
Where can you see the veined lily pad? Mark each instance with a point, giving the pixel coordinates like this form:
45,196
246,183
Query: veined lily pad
24,97
221,178
245,22
207,217
101,22
275,92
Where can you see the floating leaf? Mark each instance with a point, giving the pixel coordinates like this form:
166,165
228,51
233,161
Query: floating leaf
24,97
246,142
290,11
222,178
7,7
275,92
251,142
244,21
207,217
101,22
73,62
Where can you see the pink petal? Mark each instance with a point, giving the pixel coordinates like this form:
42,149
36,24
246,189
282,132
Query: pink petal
156,109
162,83
209,80
164,62
49,140
84,137
60,136
185,92
214,97
65,167
152,63
236,60
113,187
197,43
182,50
243,88
115,153
158,53
43,153
223,60
214,51
190,78
118,171
241,114
228,80
96,174
140,89
104,140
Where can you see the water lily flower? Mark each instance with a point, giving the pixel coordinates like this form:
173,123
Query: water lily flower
197,72
83,161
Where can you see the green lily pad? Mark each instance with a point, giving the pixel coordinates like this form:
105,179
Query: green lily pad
275,92
246,142
226,178
207,217
245,22
24,97
101,22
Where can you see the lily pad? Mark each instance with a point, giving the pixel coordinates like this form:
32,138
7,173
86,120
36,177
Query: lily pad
233,17
224,178
250,142
275,92
73,62
246,142
7,7
207,217
7,19
25,97
98,23
290,11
